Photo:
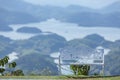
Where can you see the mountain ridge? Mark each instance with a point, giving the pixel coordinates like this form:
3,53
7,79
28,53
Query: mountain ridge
114,7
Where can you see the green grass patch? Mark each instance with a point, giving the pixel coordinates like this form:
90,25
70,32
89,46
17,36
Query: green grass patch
33,77
62,77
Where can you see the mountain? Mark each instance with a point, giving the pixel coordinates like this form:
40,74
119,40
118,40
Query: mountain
5,28
5,39
36,64
5,47
112,8
92,41
15,5
95,37
115,45
113,59
29,30
42,44
40,11
74,14
91,19
21,6
34,53
11,17
89,43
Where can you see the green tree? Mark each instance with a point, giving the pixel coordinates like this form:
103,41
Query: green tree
12,65
2,70
4,61
4,64
18,73
80,69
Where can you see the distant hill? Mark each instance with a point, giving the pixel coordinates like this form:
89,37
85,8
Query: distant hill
113,58
12,17
37,64
90,42
29,30
5,28
5,47
20,6
15,5
90,19
75,14
114,7
34,53
5,39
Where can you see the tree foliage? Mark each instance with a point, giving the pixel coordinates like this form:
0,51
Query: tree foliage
4,64
4,61
18,73
80,69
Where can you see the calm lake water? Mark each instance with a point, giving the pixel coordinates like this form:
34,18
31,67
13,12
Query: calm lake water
68,30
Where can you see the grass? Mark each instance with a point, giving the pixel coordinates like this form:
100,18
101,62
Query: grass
61,77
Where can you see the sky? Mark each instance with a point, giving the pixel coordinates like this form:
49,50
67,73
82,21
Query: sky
96,4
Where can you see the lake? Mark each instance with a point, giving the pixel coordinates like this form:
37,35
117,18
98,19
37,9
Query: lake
68,30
